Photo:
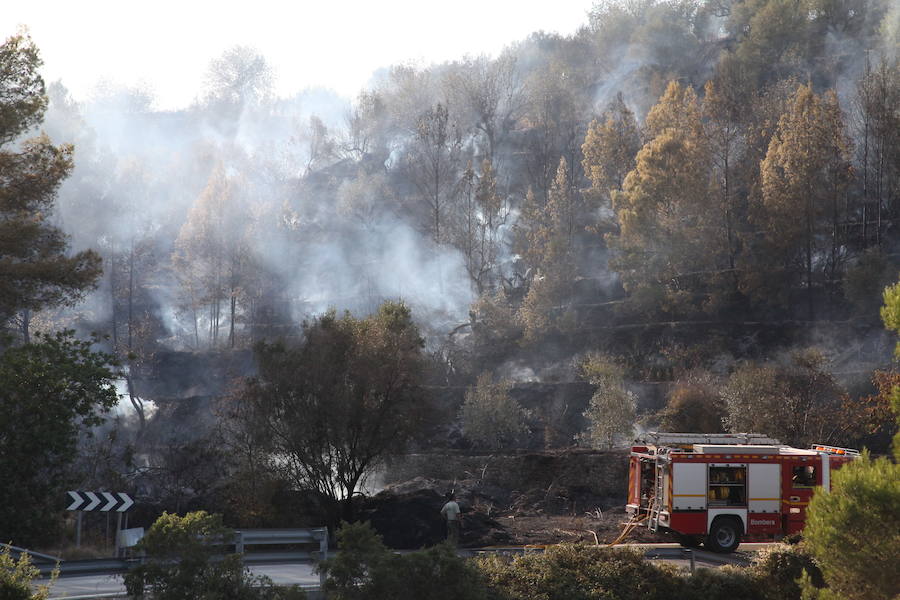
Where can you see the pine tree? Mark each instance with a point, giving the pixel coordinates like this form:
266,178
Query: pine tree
482,211
35,269
609,149
669,247
804,176
551,240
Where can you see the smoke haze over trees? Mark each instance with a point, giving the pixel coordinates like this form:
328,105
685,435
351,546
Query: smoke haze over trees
686,195
222,222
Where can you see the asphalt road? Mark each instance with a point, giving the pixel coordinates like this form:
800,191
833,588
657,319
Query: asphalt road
110,586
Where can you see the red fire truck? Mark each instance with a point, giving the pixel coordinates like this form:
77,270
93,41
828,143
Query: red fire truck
721,489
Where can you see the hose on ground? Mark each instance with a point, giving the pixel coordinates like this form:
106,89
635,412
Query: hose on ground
629,527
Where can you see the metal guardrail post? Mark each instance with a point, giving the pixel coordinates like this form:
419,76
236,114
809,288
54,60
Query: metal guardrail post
323,551
690,555
239,542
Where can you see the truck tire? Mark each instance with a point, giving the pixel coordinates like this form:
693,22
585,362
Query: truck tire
724,535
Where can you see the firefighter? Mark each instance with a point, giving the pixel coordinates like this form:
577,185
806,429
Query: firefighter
451,514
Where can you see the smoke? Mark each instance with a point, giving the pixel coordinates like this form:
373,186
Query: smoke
323,227
385,260
140,173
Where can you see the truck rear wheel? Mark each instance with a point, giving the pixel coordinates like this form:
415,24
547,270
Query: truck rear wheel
724,535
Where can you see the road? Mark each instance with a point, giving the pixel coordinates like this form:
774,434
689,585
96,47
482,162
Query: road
111,586
301,573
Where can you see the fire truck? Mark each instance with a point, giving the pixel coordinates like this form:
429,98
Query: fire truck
721,489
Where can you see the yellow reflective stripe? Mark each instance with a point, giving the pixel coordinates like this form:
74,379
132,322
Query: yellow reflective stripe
795,503
761,499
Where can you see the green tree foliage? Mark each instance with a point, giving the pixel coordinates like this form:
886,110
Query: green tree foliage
17,577
853,528
365,569
476,230
797,402
491,418
779,568
694,405
611,411
865,279
36,272
670,246
50,390
890,312
609,149
326,410
549,232
182,561
804,175
665,38
770,31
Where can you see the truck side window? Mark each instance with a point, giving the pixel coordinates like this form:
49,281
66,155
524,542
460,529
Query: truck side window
804,476
727,486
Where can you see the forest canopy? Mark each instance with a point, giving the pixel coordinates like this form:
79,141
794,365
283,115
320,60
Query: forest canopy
681,213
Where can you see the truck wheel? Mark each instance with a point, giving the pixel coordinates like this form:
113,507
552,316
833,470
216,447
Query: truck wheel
724,535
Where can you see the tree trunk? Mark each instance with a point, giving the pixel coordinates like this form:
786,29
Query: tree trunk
809,233
231,322
135,402
130,294
112,299
26,325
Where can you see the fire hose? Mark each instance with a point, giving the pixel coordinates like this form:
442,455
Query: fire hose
627,529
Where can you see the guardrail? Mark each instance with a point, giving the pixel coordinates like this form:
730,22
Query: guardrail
246,541
19,551
285,537
281,537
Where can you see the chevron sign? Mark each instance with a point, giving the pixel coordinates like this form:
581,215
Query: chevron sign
102,501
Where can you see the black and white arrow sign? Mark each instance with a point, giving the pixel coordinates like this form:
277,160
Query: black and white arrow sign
102,501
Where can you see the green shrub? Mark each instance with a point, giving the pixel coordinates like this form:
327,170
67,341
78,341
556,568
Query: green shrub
611,411
578,572
694,404
779,568
365,569
725,583
491,418
181,562
16,577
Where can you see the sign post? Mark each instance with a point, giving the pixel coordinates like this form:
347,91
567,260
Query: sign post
98,501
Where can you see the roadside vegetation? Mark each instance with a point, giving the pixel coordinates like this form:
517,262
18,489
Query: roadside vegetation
187,557
364,569
17,578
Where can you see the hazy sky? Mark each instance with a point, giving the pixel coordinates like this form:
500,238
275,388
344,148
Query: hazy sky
167,45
